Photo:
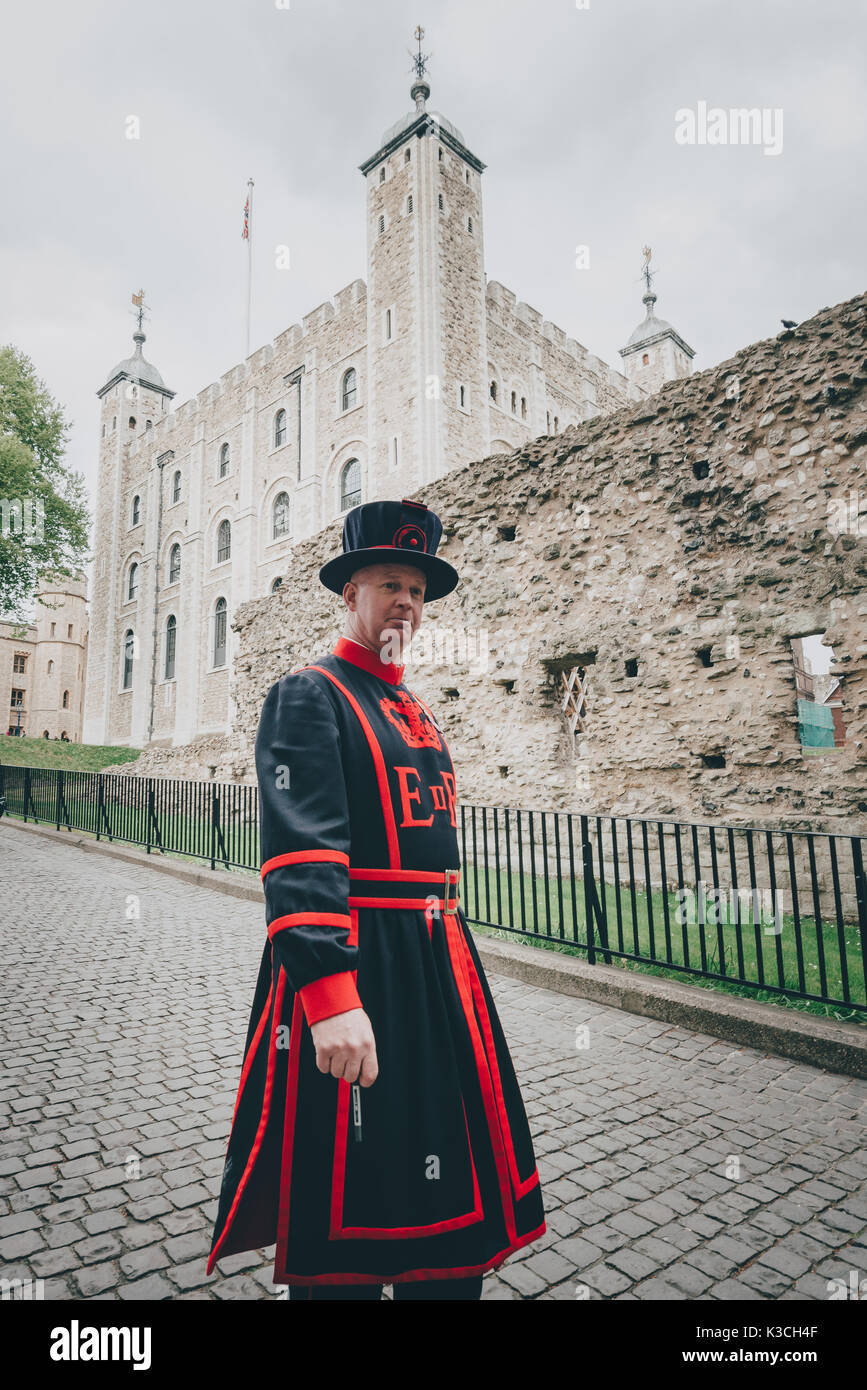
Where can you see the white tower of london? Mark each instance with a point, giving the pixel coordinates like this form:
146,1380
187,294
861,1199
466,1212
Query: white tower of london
424,368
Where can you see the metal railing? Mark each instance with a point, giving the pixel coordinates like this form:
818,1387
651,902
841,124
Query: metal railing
782,911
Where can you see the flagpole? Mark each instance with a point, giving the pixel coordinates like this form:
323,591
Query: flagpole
249,258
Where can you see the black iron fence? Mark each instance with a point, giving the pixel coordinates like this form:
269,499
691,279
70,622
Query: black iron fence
782,911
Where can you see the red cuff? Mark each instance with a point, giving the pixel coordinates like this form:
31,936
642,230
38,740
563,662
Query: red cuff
333,994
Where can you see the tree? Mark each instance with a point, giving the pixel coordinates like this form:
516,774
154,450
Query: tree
44,517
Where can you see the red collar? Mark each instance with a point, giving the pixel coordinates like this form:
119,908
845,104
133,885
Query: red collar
362,656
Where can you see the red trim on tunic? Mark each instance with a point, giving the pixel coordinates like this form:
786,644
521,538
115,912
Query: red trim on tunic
329,995
288,1138
411,1276
297,919
305,856
379,764
263,1122
401,875
251,1053
349,650
454,941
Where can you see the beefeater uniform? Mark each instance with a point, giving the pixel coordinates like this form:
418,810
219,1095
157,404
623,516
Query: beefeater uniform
361,867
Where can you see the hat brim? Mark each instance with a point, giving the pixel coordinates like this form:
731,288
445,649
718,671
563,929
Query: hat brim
441,576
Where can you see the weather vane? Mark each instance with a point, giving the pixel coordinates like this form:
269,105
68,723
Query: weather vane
418,59
141,307
647,272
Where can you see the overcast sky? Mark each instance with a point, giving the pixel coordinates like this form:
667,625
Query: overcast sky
572,110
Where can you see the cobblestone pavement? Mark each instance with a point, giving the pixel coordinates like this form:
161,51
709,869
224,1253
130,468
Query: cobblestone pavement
673,1165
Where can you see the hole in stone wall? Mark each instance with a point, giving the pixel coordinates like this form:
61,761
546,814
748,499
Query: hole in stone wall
819,696
704,656
506,533
507,685
713,759
504,770
632,666
701,470
450,693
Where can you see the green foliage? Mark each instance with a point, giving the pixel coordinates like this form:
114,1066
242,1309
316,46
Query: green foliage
33,476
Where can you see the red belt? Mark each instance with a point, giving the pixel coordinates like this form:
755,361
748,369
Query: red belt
439,890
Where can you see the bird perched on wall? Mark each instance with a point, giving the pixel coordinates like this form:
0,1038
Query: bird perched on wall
788,323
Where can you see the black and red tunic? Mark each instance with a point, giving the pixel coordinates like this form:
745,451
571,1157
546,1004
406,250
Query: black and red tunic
358,826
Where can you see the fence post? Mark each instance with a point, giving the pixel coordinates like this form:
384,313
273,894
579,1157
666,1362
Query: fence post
213,825
587,866
58,787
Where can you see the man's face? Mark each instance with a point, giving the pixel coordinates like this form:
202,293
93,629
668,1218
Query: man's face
385,606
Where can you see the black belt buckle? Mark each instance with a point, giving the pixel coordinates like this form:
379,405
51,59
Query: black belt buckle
451,883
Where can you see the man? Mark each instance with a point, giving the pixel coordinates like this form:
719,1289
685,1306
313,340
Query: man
379,1136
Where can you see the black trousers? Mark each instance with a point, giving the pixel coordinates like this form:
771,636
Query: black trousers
418,1290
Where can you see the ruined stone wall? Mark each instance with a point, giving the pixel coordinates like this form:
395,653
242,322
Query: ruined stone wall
707,516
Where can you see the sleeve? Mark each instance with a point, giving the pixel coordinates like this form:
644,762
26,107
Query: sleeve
304,842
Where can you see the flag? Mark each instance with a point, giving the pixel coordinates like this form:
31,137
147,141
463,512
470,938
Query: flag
245,235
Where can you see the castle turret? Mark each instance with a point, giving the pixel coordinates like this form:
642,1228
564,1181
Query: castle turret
133,399
427,342
655,352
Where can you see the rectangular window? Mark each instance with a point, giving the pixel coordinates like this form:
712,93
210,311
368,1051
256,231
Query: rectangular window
819,696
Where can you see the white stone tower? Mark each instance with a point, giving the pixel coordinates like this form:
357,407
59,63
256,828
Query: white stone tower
426,341
133,399
655,352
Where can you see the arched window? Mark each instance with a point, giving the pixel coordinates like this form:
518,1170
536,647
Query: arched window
224,460
128,649
514,402
645,358
441,152
409,203
149,424
493,390
278,582
175,563
556,424
224,541
66,699
176,487
132,422
132,589
220,633
281,515
171,634
463,395
279,428
51,668
523,407
350,388
350,485
548,420
440,203
136,510
469,224
382,174
407,156
381,225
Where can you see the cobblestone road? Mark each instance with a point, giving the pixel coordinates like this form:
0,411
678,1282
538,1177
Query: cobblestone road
122,1034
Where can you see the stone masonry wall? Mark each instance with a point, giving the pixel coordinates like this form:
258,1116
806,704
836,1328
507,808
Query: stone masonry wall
700,518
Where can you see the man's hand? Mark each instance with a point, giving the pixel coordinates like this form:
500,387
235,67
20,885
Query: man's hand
345,1046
